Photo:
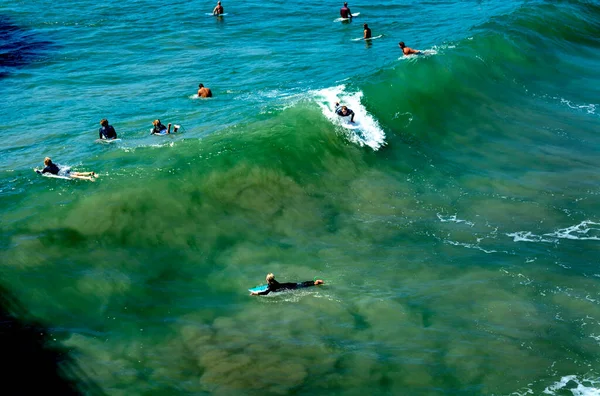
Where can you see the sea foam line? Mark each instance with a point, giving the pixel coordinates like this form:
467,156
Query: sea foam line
583,231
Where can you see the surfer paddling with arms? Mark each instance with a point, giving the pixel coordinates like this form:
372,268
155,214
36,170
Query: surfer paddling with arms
345,12
274,286
218,9
407,50
366,32
53,169
204,92
106,131
344,111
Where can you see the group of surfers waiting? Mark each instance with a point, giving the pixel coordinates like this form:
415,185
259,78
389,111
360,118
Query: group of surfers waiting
107,131
345,13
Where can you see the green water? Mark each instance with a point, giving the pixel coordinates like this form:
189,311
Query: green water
460,255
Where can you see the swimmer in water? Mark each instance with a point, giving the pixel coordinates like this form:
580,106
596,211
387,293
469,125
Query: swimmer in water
274,286
218,9
204,92
344,111
366,31
160,129
106,131
407,50
53,169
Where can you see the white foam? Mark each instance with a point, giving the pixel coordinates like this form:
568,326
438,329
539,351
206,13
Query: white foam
586,230
577,387
527,236
582,231
589,108
453,219
368,133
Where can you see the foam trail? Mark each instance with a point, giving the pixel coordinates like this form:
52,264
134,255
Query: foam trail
577,387
368,131
584,231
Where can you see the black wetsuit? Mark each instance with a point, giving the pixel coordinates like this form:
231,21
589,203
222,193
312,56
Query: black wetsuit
338,111
277,287
159,128
52,168
107,132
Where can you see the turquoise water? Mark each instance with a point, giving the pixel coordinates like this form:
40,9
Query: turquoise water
457,230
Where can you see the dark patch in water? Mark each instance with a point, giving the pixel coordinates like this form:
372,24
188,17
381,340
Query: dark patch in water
18,47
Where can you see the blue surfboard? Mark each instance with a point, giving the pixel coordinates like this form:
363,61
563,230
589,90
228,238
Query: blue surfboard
259,289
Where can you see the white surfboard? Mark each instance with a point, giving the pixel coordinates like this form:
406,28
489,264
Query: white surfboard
367,39
347,19
50,175
217,15
107,141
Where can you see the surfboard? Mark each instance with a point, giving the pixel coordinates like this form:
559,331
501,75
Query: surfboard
371,38
350,125
107,141
217,15
347,19
259,289
50,175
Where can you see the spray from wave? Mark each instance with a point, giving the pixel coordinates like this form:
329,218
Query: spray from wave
367,131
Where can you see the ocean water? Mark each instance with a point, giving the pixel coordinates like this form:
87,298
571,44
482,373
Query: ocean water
457,230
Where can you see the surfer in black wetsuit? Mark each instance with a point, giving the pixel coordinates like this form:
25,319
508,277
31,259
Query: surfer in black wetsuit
343,111
160,129
106,131
345,12
53,169
274,286
50,167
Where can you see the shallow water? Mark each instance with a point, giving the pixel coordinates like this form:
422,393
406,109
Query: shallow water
457,232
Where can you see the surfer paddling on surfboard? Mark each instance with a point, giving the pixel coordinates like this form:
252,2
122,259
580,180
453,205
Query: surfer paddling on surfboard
106,131
53,169
218,10
345,12
366,32
407,50
344,111
160,129
274,286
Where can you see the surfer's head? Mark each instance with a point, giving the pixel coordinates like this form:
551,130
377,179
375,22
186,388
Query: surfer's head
270,278
345,4
344,109
401,44
48,161
365,26
200,85
155,122
104,122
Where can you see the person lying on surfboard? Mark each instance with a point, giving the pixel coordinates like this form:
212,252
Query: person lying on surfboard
345,12
160,129
274,286
407,50
343,111
53,169
218,10
366,32
106,131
